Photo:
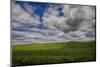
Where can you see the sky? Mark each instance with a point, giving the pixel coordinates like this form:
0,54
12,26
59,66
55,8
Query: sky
38,22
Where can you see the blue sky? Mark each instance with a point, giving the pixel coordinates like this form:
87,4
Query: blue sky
40,7
49,22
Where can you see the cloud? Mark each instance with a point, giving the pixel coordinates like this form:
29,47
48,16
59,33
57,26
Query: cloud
21,16
75,23
75,19
37,35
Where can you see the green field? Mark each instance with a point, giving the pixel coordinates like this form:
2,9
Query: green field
48,53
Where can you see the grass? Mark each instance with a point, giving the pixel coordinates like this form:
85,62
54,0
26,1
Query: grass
48,53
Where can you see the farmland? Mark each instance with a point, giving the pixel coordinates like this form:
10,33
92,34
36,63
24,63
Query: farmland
51,53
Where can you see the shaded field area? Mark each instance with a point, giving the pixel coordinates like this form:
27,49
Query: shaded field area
52,53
